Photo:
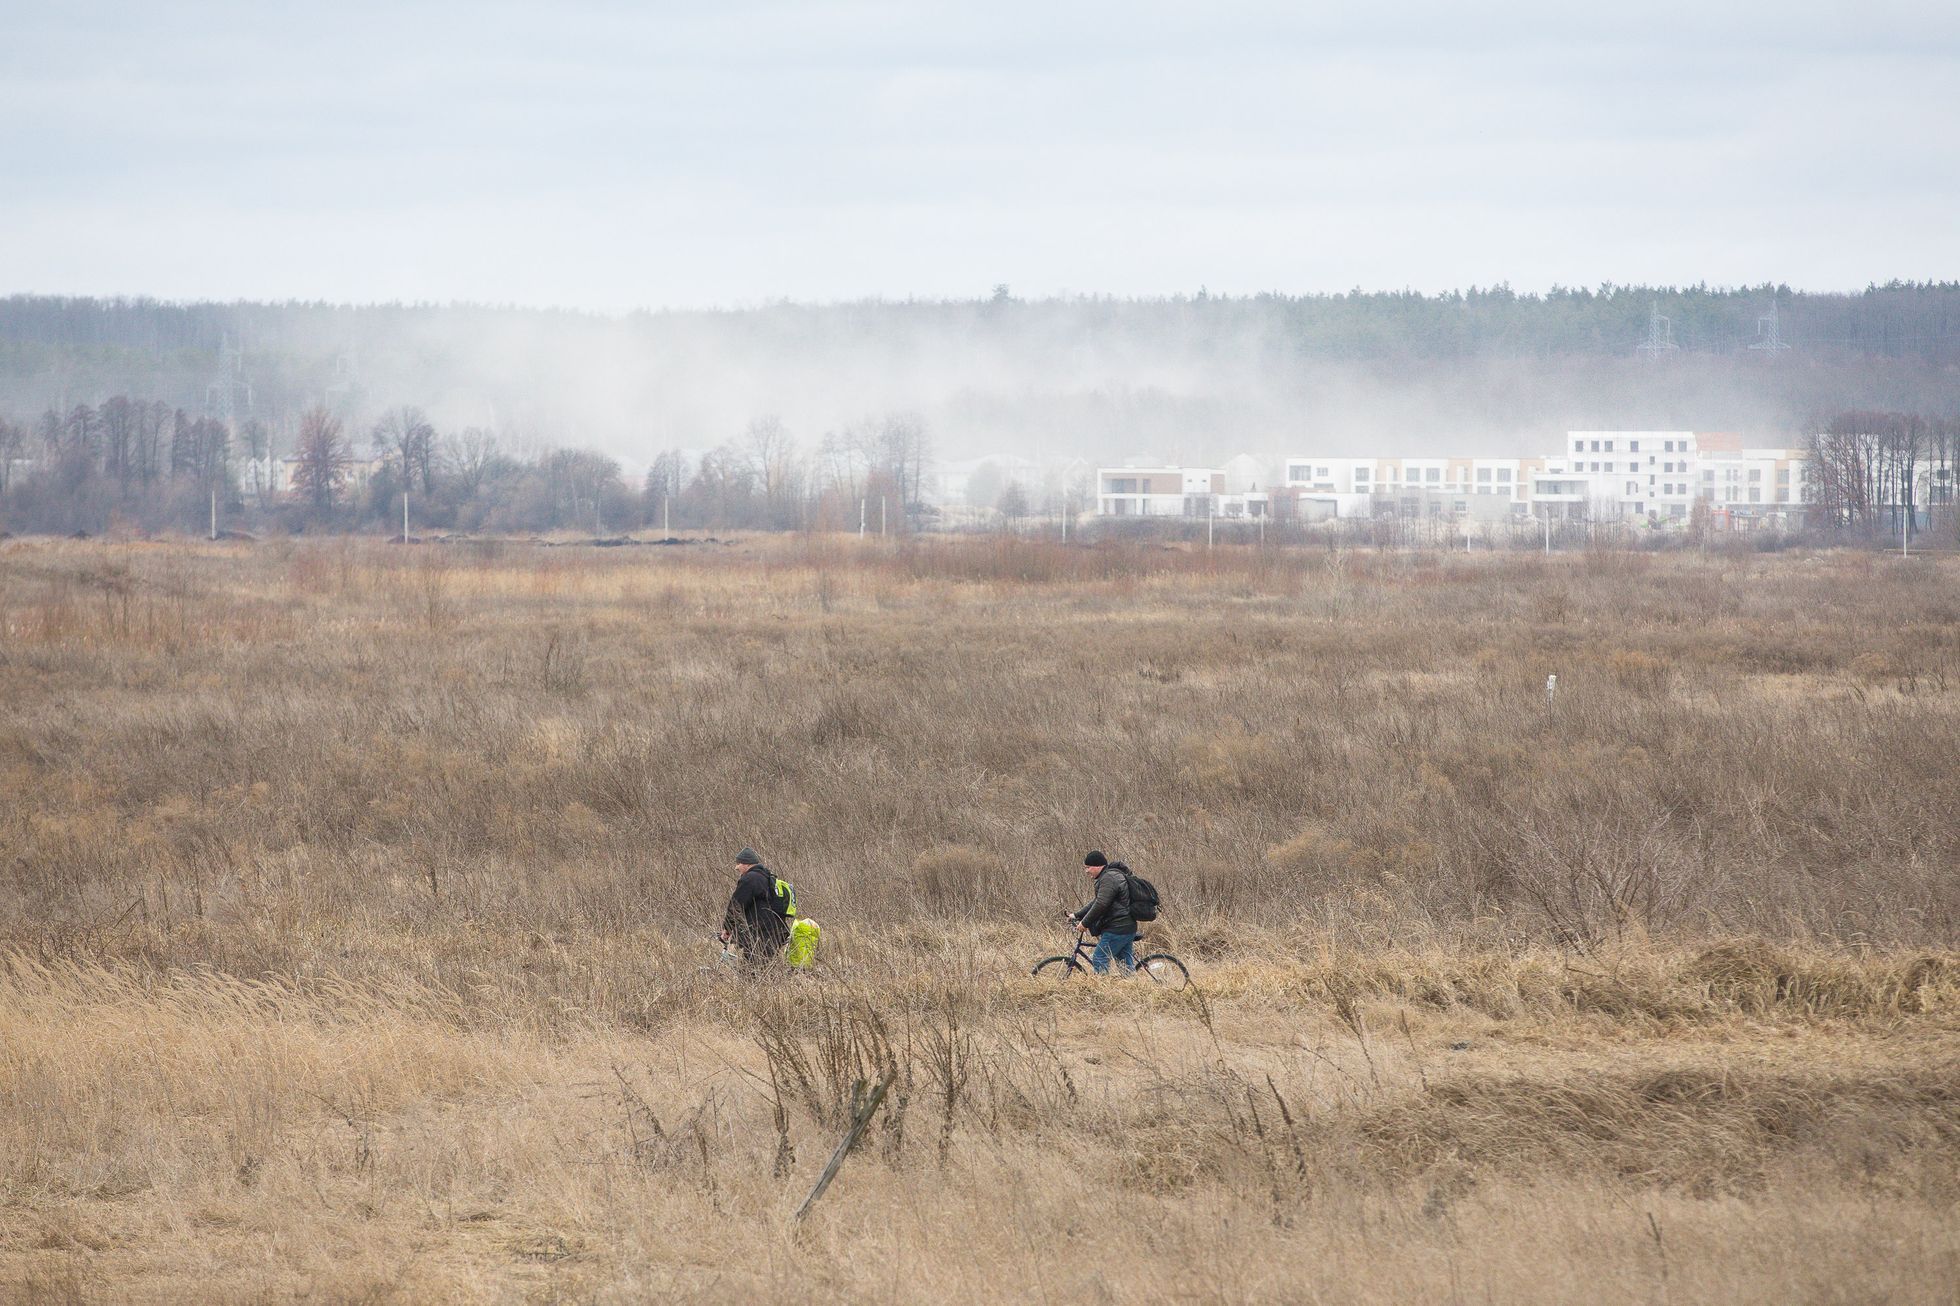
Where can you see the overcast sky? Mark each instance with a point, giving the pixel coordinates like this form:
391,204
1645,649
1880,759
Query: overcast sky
611,156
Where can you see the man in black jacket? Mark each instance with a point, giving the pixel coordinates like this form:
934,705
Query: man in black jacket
1108,916
755,922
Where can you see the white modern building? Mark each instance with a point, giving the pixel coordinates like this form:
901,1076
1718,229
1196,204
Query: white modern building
1159,491
1652,478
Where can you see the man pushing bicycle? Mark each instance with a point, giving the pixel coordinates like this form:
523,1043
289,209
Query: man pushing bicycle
1108,915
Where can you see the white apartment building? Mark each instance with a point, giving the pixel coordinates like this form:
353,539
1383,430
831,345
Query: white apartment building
1362,487
1649,477
1660,475
1744,485
1620,475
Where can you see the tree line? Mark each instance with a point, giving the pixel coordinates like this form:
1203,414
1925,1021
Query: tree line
151,466
1894,319
1866,466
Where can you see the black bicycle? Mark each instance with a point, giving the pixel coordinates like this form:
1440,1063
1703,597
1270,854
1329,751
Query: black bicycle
1161,967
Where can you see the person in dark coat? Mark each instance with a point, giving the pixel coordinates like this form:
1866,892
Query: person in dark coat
755,921
1108,916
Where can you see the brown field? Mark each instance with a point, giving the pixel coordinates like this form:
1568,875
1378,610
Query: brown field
355,903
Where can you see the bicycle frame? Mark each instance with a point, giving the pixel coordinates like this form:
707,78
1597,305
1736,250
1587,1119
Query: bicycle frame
1084,951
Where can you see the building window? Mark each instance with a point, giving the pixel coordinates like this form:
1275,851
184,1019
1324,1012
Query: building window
1609,446
1321,472
1595,447
1483,475
1578,446
1633,446
1504,473
1296,472
1435,475
1667,446
1755,495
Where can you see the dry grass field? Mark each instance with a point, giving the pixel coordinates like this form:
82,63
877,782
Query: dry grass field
355,906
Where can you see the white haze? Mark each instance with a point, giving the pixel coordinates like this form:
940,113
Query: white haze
1099,380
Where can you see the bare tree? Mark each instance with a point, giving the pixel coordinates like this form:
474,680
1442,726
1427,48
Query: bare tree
258,449
470,457
665,480
896,452
120,419
724,488
405,436
151,418
580,481
841,464
772,453
47,430
12,441
321,469
184,453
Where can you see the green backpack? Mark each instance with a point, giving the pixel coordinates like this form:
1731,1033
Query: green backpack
785,896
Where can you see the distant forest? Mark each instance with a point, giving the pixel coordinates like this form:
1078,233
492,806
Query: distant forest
1195,378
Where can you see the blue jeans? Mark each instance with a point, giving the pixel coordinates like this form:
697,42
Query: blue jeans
1115,946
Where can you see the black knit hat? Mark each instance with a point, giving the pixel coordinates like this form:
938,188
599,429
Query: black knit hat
1095,859
747,857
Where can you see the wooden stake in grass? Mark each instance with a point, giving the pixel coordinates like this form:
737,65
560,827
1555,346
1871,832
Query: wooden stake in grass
862,1111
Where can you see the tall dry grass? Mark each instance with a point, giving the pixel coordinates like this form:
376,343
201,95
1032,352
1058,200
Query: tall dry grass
354,905
579,739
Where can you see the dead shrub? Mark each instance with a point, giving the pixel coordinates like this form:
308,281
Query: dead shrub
956,882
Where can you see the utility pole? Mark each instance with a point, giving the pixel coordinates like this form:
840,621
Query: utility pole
665,529
1208,503
861,508
1548,532
404,516
214,514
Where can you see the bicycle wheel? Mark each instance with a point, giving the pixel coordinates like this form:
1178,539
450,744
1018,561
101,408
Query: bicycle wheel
1053,968
1165,970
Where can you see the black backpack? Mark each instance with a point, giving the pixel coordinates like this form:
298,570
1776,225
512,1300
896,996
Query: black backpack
1143,894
